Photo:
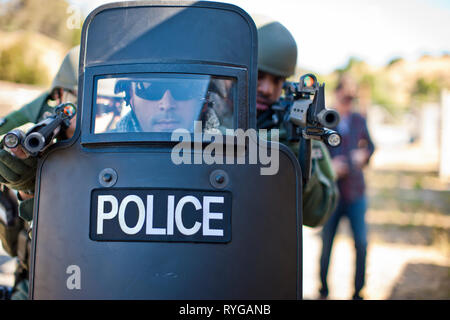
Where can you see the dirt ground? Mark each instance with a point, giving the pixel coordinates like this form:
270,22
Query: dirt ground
395,270
409,242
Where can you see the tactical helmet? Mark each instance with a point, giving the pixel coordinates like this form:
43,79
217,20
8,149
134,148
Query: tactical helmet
67,75
277,50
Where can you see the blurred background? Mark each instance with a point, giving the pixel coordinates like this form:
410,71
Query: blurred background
399,54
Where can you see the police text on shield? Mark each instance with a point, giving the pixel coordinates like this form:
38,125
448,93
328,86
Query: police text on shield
174,222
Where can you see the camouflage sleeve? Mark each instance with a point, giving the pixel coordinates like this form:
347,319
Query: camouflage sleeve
30,112
13,120
320,194
9,235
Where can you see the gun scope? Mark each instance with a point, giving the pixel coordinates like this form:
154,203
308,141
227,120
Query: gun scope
308,83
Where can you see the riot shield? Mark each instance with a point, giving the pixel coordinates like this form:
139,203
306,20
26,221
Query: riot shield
117,216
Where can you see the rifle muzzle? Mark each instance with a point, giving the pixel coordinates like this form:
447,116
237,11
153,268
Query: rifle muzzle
328,118
34,142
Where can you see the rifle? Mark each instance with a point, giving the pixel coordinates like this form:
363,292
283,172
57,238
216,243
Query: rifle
303,114
42,134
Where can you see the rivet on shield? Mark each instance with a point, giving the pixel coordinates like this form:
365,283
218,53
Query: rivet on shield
219,179
107,177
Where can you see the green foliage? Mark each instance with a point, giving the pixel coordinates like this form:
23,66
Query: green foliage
382,93
418,183
380,90
388,91
76,37
48,17
16,67
19,63
353,62
394,61
426,89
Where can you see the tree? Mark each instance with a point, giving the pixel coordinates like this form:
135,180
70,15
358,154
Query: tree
48,18
426,89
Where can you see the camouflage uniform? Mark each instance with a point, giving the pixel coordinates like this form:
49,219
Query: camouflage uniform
277,55
15,231
320,194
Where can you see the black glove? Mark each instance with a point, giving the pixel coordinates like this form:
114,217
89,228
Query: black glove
10,223
26,209
16,173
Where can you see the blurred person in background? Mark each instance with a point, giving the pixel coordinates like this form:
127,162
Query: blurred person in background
348,161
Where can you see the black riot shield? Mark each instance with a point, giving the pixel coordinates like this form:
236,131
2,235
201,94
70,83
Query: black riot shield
118,215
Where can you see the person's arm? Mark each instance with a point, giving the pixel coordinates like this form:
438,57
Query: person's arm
28,113
10,223
320,194
361,156
18,174
370,146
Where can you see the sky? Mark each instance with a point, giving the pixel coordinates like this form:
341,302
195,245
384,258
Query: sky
329,32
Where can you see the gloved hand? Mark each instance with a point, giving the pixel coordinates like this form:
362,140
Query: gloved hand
26,209
15,173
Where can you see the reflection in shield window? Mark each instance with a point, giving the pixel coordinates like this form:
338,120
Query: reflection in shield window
164,103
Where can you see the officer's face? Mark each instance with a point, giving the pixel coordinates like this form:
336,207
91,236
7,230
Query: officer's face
268,90
159,109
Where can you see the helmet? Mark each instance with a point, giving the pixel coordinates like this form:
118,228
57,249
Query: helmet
67,76
277,50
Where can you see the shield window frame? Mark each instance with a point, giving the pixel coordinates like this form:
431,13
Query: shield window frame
88,137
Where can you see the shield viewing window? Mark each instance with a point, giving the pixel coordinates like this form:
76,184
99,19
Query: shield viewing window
153,102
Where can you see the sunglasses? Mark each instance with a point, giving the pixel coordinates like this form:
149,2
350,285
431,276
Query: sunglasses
348,98
180,90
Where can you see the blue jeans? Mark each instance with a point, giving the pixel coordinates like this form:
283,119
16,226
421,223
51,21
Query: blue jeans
355,211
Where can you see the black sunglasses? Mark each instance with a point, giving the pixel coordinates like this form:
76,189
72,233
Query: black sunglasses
179,90
348,98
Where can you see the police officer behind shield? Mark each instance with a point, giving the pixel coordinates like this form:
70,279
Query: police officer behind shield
159,105
166,103
149,115
277,59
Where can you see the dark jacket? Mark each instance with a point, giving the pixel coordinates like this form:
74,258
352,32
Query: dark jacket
354,135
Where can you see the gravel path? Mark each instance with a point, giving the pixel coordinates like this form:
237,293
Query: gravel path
394,270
